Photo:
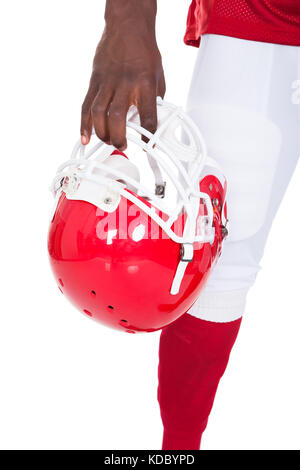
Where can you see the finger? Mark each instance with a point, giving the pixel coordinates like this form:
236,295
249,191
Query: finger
161,89
86,116
147,108
86,127
117,119
99,111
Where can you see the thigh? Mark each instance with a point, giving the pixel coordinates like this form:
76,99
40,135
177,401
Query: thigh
242,99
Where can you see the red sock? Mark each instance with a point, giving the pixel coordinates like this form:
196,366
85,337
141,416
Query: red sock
193,357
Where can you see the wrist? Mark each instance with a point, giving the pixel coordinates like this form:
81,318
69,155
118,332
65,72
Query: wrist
137,15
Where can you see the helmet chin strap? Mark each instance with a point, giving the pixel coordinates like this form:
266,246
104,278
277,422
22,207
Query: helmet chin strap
187,249
187,255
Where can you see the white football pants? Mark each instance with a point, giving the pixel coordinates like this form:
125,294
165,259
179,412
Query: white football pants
245,97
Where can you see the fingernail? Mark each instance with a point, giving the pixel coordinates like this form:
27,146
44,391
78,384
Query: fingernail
122,148
84,139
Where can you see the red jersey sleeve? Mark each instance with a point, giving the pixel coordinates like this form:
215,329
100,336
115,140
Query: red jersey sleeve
276,21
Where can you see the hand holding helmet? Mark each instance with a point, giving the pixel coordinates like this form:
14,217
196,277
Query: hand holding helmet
131,256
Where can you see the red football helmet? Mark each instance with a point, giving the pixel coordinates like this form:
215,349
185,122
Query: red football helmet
128,256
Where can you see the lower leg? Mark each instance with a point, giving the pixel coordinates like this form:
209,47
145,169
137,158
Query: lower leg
193,357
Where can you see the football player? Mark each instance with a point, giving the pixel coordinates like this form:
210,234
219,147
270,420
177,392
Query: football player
243,96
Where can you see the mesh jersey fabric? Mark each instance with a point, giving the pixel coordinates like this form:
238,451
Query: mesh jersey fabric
273,21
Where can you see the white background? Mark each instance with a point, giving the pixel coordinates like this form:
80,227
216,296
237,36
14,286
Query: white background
65,381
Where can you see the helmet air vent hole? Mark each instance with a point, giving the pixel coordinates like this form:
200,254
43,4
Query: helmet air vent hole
61,282
110,307
93,293
124,321
87,313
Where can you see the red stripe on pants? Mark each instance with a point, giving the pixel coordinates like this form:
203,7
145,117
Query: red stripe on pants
193,356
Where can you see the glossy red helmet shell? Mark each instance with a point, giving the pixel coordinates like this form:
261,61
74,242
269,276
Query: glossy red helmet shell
121,266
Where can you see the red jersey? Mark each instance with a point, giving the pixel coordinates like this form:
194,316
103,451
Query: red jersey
276,21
